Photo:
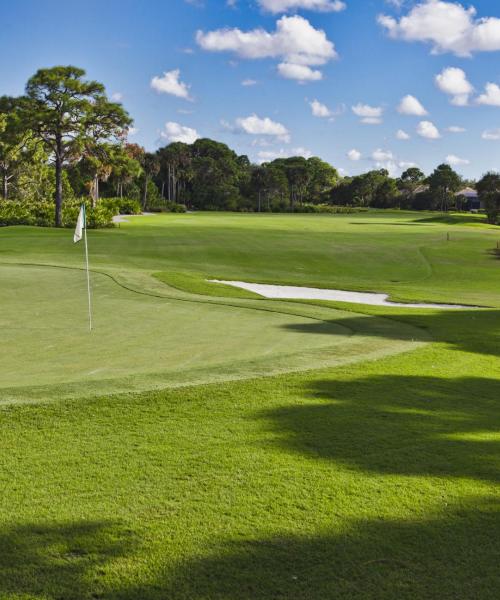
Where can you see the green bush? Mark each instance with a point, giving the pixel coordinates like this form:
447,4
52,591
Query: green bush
173,207
41,214
121,206
326,209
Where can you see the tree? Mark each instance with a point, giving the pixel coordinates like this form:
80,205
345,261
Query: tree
409,182
489,193
443,183
150,167
14,138
175,170
258,184
70,115
386,194
322,178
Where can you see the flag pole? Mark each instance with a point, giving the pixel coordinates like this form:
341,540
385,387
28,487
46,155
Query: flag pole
87,265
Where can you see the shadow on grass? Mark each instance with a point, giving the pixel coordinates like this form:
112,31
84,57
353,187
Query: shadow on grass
400,425
59,561
469,330
449,556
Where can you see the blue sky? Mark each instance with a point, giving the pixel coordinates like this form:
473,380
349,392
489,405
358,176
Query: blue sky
343,58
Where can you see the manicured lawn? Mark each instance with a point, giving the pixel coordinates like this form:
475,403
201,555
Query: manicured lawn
375,476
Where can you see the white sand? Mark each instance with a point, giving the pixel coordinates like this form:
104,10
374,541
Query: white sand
288,292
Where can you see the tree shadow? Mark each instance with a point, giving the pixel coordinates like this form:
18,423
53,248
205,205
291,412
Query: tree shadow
59,561
469,330
399,425
451,555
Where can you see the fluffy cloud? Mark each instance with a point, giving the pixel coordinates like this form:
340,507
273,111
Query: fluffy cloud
295,41
453,81
255,125
447,26
174,132
410,105
320,110
402,135
491,134
385,159
268,155
371,115
117,97
354,155
456,129
382,155
427,129
281,6
300,73
455,161
170,83
491,96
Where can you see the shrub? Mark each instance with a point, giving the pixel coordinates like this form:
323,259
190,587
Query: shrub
121,206
173,207
41,214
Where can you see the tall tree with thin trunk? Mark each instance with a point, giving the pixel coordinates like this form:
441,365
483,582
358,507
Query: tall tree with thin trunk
70,114
14,138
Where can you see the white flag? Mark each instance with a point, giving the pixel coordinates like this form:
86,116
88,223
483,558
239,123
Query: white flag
80,225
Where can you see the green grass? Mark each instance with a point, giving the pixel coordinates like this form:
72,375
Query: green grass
373,477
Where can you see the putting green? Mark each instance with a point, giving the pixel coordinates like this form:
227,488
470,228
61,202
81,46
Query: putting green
141,341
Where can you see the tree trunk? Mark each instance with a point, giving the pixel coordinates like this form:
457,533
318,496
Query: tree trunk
169,179
59,186
5,187
145,193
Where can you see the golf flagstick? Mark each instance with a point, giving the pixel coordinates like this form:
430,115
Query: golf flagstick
81,231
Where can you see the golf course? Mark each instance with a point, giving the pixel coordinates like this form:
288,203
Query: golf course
203,442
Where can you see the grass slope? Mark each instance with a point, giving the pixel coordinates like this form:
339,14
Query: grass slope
371,480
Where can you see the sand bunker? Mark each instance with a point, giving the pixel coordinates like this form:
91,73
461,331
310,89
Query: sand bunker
288,292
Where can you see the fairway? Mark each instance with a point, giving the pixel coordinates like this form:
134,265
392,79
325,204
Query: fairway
203,443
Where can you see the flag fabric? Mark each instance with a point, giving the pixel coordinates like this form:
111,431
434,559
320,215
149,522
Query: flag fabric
80,225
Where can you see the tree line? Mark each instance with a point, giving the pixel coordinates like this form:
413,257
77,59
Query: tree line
64,139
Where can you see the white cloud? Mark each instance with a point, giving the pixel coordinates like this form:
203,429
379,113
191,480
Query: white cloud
453,81
255,125
410,105
447,26
491,96
402,135
491,134
354,154
320,110
281,6
295,42
371,115
117,97
456,129
403,164
174,132
249,82
427,129
454,160
170,83
300,73
396,3
132,131
382,155
269,155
